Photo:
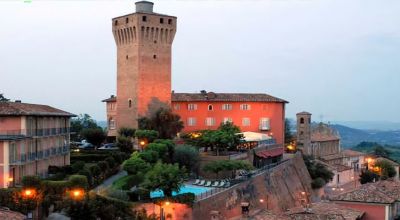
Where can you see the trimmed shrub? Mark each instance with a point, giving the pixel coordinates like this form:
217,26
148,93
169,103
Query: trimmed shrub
149,156
88,175
77,166
89,158
55,187
111,162
31,182
78,181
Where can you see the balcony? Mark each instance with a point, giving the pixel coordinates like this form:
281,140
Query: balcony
32,156
46,153
39,155
34,132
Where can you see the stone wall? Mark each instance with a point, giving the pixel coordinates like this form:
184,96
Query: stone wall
277,189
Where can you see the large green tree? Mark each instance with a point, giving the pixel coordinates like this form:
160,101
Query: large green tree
386,169
80,123
165,177
167,123
320,174
125,144
95,136
187,156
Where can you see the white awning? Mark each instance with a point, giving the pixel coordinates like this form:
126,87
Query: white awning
254,136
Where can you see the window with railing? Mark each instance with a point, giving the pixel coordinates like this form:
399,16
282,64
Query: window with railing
12,152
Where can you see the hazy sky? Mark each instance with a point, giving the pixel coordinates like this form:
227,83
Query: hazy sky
336,58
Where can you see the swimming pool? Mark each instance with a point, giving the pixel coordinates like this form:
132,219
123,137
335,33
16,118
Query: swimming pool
184,189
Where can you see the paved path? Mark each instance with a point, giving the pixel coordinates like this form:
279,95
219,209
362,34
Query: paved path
108,182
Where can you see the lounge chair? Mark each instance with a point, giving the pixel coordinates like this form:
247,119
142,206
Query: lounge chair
196,182
201,183
222,183
208,184
227,184
216,183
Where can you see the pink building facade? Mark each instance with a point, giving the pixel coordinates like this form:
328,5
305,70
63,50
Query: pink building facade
32,138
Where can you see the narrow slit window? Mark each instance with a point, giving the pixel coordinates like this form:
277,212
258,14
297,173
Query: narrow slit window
154,56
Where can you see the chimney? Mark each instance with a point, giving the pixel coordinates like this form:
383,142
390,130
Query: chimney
144,7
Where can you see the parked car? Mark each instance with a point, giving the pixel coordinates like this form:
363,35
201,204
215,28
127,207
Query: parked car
87,146
109,146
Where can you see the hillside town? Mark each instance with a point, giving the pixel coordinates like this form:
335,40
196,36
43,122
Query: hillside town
181,155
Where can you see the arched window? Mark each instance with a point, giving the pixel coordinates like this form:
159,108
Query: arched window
130,103
301,120
210,107
116,22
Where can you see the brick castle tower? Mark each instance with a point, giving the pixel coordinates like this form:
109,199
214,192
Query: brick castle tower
144,41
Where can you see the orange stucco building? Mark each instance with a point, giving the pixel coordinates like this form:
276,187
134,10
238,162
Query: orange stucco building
32,137
144,40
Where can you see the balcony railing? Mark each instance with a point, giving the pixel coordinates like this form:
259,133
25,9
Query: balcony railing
35,132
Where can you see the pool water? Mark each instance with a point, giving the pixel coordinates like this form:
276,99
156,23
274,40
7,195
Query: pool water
184,189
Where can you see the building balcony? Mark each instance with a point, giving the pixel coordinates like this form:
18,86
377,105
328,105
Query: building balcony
35,132
32,156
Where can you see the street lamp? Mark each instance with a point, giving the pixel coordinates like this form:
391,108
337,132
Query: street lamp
162,215
77,194
29,193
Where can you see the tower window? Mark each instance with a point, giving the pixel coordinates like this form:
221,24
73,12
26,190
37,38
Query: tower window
144,18
301,120
210,107
169,21
127,20
161,20
127,57
154,56
116,22
130,103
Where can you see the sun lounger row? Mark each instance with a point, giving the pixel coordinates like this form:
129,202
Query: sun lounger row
221,183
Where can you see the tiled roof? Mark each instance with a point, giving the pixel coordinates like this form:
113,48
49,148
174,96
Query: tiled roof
352,153
18,109
303,113
225,97
324,210
111,99
11,215
386,191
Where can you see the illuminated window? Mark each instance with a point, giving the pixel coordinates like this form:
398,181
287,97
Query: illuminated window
210,107
192,106
191,121
177,107
264,124
227,107
245,121
244,107
210,121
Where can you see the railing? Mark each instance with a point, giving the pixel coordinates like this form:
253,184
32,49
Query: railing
35,132
233,182
32,156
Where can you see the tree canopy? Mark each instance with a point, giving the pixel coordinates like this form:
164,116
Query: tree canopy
80,123
165,177
187,156
3,99
318,172
164,121
95,136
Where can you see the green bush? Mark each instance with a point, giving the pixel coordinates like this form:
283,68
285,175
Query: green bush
88,175
31,182
79,181
127,182
89,158
135,165
149,156
103,166
161,149
55,187
149,135
57,176
111,162
78,165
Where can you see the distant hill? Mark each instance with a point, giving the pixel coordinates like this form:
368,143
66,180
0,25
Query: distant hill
350,137
102,124
371,125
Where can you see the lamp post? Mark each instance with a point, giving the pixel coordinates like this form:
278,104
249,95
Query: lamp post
77,194
162,215
31,194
